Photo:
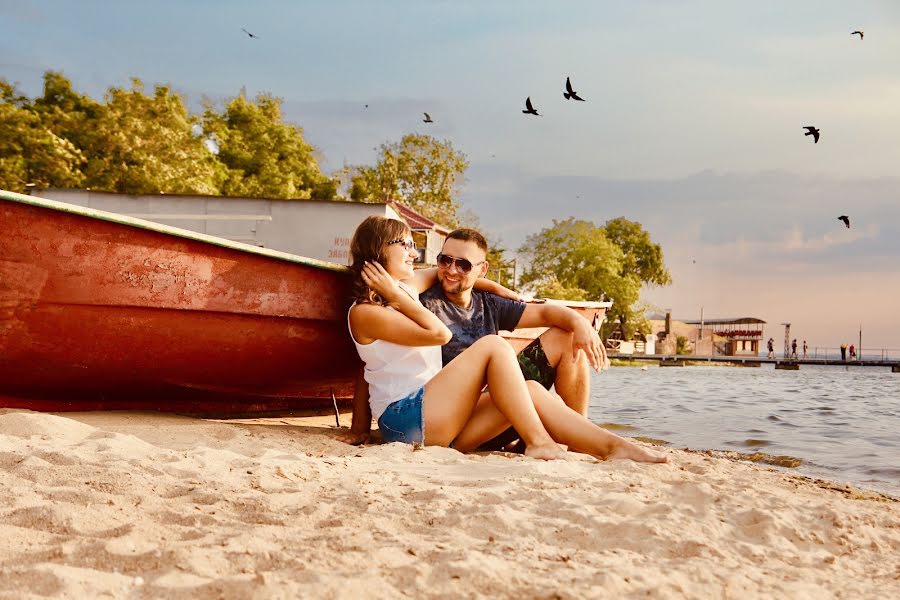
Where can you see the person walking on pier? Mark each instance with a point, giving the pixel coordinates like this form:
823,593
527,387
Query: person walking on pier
805,348
852,352
794,348
844,352
771,345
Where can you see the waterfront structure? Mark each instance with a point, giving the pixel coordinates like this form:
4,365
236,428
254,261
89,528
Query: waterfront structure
737,336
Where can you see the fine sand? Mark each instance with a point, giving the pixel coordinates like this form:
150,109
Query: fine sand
136,505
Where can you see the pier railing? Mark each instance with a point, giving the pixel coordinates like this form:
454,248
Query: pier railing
882,354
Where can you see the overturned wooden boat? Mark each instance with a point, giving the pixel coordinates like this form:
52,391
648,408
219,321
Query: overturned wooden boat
101,311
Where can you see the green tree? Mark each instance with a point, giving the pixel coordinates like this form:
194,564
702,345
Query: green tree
577,260
419,171
29,151
263,156
642,257
146,144
70,115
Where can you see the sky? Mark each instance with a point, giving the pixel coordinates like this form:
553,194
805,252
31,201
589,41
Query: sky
692,123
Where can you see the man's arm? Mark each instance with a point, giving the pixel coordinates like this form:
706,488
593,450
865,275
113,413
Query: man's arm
486,285
424,279
361,424
583,335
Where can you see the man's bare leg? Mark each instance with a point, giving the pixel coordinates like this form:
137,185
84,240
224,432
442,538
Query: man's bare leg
573,377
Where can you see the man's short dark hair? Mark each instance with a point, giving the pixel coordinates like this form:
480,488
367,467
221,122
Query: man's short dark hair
469,235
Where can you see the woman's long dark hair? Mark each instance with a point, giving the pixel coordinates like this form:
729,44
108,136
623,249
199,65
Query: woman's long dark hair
368,244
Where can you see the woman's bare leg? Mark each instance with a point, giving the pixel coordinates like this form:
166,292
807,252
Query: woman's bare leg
578,433
451,397
565,425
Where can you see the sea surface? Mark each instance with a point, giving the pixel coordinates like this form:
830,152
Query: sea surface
839,423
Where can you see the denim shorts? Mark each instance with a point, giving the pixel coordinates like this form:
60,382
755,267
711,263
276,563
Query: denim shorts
403,421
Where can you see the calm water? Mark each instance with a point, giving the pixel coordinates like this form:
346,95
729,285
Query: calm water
843,422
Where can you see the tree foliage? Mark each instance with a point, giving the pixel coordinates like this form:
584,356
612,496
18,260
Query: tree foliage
576,260
419,171
264,156
146,144
642,256
139,143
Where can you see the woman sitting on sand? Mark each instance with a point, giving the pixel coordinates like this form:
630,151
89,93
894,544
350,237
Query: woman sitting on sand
416,401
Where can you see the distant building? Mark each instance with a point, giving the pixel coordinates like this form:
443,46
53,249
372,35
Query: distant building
312,228
740,336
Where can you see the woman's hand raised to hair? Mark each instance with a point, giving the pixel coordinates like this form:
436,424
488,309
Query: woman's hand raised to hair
380,281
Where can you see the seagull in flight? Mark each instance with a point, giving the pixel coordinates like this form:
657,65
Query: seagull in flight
859,33
250,34
845,219
570,93
529,109
810,130
427,118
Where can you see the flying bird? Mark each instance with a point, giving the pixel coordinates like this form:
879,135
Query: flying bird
845,219
427,118
570,93
250,34
859,33
810,130
529,109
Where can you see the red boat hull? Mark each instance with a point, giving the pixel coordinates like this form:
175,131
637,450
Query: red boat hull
103,314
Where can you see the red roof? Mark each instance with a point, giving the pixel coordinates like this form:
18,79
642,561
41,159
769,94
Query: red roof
415,221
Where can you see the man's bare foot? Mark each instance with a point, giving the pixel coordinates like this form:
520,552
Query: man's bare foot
551,451
625,449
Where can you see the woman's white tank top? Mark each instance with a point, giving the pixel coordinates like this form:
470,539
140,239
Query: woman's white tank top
394,371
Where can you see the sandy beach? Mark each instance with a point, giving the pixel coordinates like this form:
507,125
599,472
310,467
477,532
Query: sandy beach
139,505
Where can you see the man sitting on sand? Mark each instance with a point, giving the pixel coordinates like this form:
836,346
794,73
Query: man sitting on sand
561,357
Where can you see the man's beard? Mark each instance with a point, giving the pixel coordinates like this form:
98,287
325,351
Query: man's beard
455,288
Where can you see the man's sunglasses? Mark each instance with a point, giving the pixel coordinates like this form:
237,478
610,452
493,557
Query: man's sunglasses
462,264
407,244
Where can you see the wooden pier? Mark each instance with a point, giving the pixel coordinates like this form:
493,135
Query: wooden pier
780,363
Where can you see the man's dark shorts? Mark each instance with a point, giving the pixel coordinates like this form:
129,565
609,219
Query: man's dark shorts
535,366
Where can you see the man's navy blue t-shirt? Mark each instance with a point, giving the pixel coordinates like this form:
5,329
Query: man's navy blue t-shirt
487,315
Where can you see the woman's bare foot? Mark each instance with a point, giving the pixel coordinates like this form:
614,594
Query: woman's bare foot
551,451
625,449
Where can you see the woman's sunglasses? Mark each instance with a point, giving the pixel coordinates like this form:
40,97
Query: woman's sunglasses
462,264
407,244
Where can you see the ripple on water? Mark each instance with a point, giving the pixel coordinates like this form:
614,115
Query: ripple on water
650,440
754,442
617,427
884,472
